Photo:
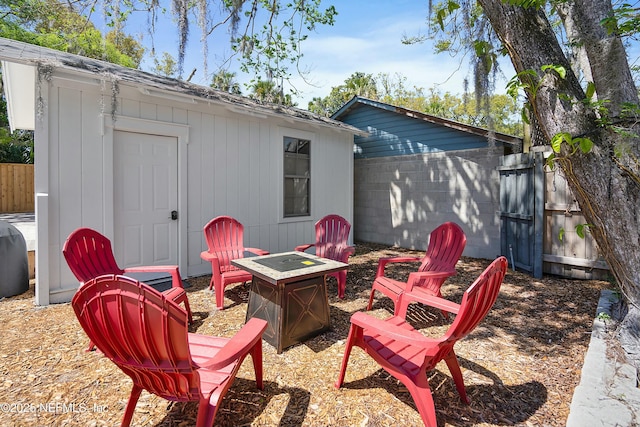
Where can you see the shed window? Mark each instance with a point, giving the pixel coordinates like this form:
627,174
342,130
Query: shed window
297,175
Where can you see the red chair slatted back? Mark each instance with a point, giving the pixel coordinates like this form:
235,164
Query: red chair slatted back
332,234
89,254
476,303
225,238
446,244
141,331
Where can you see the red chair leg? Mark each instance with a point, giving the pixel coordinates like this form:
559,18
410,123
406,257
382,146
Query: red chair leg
206,413
342,283
423,399
347,352
131,406
452,363
370,305
256,356
219,290
188,308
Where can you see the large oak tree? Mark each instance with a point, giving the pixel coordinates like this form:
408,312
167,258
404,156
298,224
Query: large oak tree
572,114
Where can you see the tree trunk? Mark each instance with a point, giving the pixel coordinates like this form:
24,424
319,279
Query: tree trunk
579,59
605,181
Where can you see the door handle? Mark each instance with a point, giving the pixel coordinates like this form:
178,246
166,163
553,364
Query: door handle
174,215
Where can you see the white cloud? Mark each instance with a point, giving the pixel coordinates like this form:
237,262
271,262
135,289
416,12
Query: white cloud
330,60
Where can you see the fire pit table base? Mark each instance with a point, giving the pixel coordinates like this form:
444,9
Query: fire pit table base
294,311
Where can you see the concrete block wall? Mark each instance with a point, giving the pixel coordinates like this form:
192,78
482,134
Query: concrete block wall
399,200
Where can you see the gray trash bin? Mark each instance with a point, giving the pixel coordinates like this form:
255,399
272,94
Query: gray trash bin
14,261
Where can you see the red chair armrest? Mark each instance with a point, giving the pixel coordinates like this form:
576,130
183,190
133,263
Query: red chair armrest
344,255
419,276
388,330
302,248
382,262
239,345
176,280
430,300
212,258
174,294
153,269
208,256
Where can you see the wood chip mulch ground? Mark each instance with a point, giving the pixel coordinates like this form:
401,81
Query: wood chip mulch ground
520,366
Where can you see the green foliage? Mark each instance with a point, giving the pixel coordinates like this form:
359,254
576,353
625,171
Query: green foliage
226,81
562,72
358,83
271,48
502,115
56,25
525,81
167,66
265,36
53,24
127,46
447,9
591,90
585,145
624,22
529,81
16,147
267,91
581,231
485,53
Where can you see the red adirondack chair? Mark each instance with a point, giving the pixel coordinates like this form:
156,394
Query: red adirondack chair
408,355
225,241
145,334
446,244
89,254
332,234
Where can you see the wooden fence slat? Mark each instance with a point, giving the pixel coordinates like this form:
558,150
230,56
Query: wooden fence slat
572,256
16,188
4,193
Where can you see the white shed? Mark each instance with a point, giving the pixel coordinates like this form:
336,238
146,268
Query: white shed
124,151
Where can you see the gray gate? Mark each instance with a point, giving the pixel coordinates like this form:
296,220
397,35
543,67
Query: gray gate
522,211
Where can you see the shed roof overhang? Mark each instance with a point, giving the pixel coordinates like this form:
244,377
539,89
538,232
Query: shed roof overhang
18,83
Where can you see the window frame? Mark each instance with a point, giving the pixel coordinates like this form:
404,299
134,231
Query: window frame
283,135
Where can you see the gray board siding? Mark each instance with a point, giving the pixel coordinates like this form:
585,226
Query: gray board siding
392,134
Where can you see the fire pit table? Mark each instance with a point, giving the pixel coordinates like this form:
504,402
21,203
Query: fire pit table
289,291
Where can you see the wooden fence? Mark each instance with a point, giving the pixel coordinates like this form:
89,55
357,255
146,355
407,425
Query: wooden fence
16,188
538,220
570,255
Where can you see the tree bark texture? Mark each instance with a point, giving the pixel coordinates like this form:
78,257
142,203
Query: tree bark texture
606,184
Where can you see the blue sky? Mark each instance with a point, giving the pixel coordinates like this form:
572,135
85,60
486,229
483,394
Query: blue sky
366,37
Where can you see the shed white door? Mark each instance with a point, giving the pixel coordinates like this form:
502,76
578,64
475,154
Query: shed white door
145,194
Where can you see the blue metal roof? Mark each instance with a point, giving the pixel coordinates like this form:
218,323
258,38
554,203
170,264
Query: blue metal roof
396,131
